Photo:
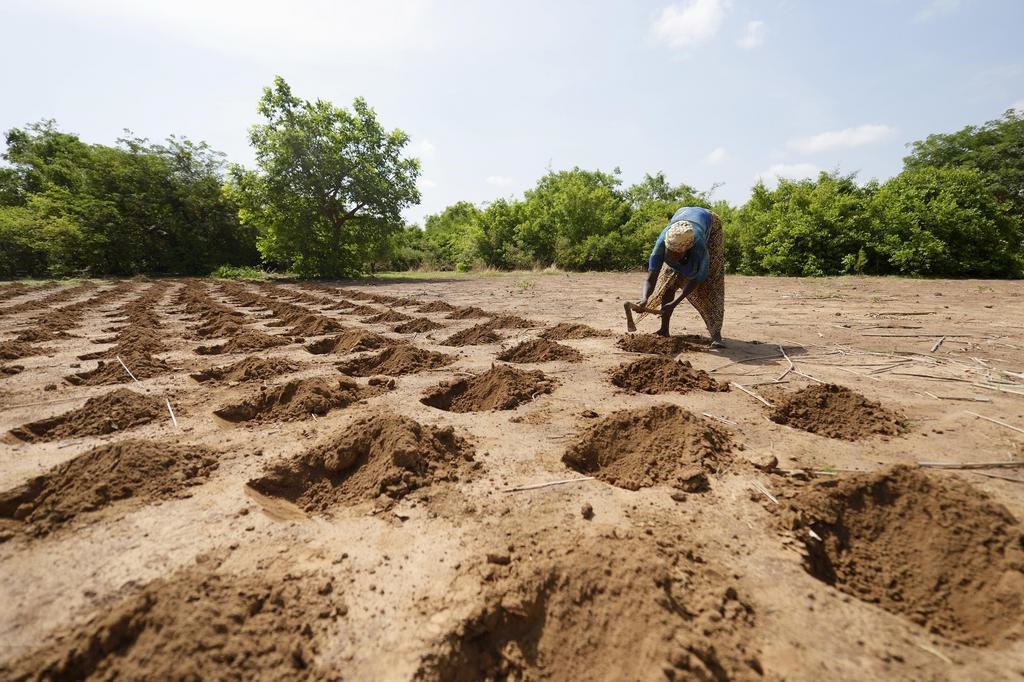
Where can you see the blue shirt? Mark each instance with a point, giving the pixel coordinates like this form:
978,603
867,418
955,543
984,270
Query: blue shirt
694,263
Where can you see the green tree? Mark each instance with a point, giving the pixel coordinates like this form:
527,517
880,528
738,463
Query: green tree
496,243
330,183
451,236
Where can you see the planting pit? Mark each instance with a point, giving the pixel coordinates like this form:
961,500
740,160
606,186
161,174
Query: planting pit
353,341
248,340
416,325
835,412
662,374
660,445
118,410
142,366
395,362
540,350
661,345
474,336
249,369
467,313
567,330
297,399
499,388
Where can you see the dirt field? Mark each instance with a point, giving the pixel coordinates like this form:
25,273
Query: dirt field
341,495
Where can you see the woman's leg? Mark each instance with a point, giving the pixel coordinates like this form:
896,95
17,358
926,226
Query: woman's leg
709,297
666,312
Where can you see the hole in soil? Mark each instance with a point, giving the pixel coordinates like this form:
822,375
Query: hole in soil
395,362
136,470
661,374
297,399
202,625
416,326
606,608
835,412
474,336
383,454
249,369
664,444
499,388
567,330
540,350
928,547
351,342
248,340
115,411
662,345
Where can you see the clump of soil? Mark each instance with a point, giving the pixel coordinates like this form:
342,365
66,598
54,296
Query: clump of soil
296,400
219,327
118,410
540,350
387,318
928,547
436,307
249,369
11,370
510,322
142,365
568,330
664,444
661,345
352,341
248,340
37,334
835,412
467,313
136,470
396,361
199,624
314,325
608,608
474,336
662,374
416,326
383,454
361,310
15,350
499,388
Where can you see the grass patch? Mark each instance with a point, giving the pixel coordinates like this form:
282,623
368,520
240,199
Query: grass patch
246,272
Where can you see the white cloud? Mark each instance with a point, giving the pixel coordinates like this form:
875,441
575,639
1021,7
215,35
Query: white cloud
717,156
753,35
792,171
423,148
936,9
426,183
841,139
498,180
690,23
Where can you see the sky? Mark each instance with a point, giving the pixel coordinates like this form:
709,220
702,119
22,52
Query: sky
715,93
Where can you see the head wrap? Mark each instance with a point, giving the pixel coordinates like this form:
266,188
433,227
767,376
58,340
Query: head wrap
680,237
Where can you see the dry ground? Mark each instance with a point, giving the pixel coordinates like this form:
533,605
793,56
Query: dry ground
310,517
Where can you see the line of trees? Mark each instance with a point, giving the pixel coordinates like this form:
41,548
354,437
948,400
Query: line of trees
329,186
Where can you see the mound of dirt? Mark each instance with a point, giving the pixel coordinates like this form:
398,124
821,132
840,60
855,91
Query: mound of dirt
200,624
136,470
115,411
11,370
248,340
928,547
296,400
396,361
436,307
499,388
664,444
38,334
835,412
416,325
249,369
568,330
14,350
143,366
353,341
314,325
600,608
383,454
662,374
510,322
474,336
360,310
540,350
661,345
467,313
388,317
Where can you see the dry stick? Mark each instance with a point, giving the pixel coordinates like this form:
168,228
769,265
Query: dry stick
972,399
792,367
719,419
1001,478
937,344
751,393
978,465
769,383
126,369
809,376
173,418
737,362
994,388
545,485
995,421
41,402
764,491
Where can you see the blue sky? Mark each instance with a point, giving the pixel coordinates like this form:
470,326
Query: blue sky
493,94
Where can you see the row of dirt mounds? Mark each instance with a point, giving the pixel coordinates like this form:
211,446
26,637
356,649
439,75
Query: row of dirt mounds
211,319
62,294
379,455
249,369
499,388
417,325
564,331
663,374
396,361
835,412
296,400
9,291
245,342
659,445
928,547
201,624
540,350
655,344
54,324
129,472
119,410
476,335
352,341
600,608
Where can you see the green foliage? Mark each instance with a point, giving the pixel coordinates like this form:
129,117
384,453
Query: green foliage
450,237
330,183
243,272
